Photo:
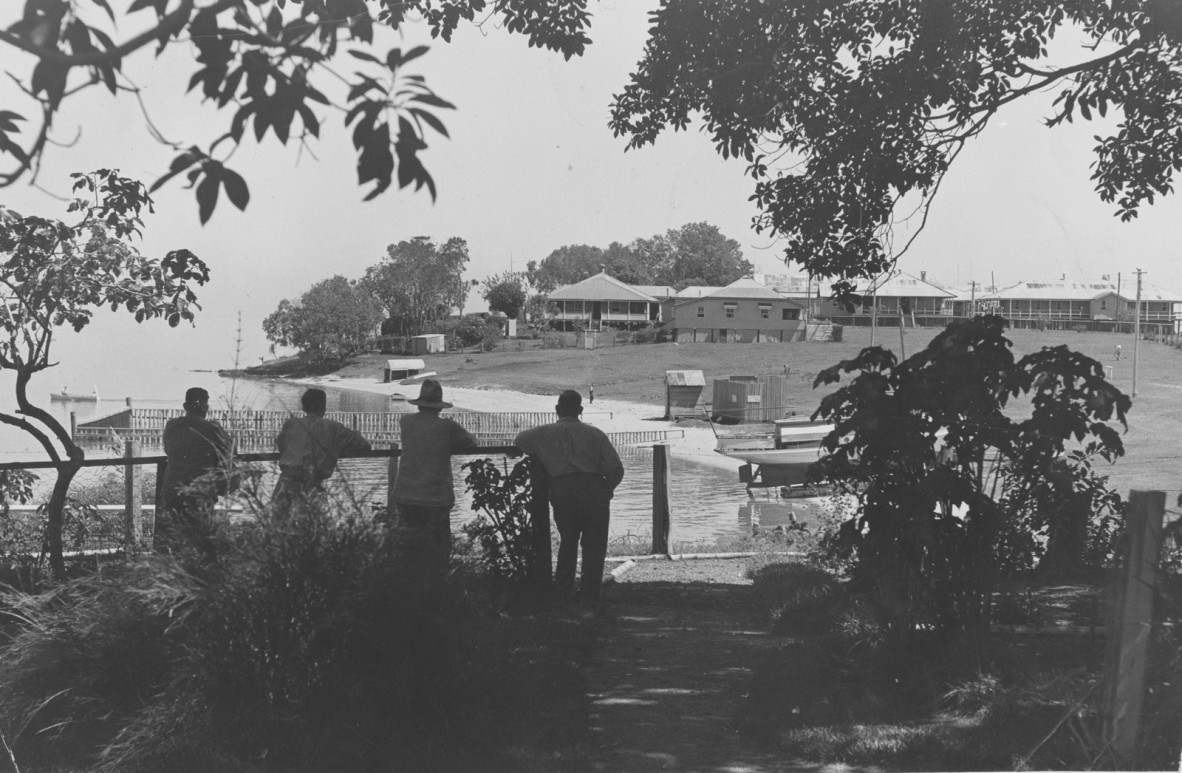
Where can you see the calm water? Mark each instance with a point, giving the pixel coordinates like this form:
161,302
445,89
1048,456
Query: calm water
707,503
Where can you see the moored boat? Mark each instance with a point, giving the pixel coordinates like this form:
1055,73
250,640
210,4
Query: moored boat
782,459
65,396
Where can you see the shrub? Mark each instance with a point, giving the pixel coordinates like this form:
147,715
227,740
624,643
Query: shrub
306,647
802,600
502,525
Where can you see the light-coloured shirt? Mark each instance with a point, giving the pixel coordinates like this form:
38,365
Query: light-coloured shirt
310,445
194,446
569,446
424,467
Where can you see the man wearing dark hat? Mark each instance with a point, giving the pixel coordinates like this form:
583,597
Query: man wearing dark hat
424,490
584,471
198,452
309,447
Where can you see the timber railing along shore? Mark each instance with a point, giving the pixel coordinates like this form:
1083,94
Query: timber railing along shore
256,430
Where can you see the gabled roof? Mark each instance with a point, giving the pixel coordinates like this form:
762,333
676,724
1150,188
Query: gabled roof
1071,290
600,287
899,284
746,288
742,289
657,291
696,291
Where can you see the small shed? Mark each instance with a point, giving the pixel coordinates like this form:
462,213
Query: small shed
751,398
396,370
431,343
682,390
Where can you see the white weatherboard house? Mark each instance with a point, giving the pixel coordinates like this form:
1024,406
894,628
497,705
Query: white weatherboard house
602,301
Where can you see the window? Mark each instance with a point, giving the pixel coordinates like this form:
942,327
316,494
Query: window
616,307
765,311
788,314
730,310
1104,304
701,311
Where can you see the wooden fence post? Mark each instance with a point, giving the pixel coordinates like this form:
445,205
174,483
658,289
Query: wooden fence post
539,523
160,468
133,504
391,477
661,517
1132,622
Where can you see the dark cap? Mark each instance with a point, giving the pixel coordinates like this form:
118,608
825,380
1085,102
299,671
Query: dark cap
196,395
570,403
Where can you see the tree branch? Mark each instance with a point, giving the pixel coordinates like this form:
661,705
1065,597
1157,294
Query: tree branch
168,24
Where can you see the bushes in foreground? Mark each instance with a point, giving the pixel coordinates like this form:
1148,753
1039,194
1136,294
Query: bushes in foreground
307,647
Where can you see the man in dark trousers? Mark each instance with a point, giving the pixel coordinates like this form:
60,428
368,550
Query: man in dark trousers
309,447
584,471
424,491
198,452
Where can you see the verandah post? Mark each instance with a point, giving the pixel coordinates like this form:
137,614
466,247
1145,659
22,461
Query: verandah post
661,483
1132,622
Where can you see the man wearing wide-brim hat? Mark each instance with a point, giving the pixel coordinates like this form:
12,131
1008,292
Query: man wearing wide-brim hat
424,491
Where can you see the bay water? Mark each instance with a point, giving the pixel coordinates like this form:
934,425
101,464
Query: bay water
708,503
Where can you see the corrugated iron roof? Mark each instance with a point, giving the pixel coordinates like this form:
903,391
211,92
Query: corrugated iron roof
685,378
600,287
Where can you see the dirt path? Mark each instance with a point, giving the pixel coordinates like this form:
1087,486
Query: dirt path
672,669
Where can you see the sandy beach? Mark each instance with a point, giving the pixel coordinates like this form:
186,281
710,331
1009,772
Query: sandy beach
696,444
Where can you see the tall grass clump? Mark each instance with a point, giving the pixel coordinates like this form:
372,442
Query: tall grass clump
306,646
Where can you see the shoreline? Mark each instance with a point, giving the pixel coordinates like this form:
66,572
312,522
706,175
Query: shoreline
610,415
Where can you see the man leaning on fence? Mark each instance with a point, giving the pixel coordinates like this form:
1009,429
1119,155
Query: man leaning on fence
196,473
424,490
309,447
584,471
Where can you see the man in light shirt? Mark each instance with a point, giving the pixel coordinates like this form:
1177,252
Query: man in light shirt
584,471
309,447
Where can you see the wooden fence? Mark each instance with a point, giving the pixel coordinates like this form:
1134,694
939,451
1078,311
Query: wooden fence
255,430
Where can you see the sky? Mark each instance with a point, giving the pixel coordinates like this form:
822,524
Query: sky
530,166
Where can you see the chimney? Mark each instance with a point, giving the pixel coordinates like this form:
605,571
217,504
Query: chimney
923,276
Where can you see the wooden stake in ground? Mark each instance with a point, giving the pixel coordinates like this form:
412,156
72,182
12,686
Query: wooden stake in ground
1132,623
661,483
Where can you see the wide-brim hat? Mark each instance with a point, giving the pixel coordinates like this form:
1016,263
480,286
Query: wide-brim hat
430,396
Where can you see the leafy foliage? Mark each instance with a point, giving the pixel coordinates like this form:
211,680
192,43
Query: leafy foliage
275,64
308,647
695,254
501,526
842,110
331,322
56,275
935,448
419,281
506,293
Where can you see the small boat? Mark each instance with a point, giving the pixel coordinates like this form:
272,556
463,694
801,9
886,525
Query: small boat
65,396
783,459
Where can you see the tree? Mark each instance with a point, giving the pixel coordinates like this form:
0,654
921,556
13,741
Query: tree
565,266
56,275
331,322
420,281
506,293
841,110
696,253
936,445
270,61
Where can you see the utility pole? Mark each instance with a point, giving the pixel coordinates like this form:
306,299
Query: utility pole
1136,330
873,311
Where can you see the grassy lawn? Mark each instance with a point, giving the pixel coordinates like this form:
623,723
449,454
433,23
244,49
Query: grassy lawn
636,374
